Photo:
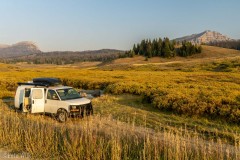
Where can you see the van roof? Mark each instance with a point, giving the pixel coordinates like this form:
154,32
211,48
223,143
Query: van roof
48,81
50,87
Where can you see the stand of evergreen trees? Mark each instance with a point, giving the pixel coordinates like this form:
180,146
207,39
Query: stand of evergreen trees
188,49
162,48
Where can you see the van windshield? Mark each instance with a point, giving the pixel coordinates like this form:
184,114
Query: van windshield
68,93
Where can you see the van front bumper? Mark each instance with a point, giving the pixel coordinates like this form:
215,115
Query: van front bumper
81,110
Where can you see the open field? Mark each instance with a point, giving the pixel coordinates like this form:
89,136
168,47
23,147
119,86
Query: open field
121,128
203,93
186,109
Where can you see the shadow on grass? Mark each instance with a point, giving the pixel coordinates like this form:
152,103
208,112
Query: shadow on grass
137,102
9,101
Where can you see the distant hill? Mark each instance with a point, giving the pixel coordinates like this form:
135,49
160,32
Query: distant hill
3,46
204,37
60,57
18,49
29,52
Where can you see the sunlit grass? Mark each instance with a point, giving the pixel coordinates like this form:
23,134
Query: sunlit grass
104,137
131,109
200,93
179,113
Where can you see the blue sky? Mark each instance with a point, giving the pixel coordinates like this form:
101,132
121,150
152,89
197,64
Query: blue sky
95,24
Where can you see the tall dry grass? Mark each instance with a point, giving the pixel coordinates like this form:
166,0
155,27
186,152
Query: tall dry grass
103,138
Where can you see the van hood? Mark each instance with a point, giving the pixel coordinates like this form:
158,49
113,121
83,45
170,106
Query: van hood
79,101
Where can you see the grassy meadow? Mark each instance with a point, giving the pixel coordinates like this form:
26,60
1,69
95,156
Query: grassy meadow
161,109
121,128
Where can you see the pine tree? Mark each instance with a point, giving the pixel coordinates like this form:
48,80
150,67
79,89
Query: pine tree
154,48
149,49
166,52
159,47
143,47
134,48
138,49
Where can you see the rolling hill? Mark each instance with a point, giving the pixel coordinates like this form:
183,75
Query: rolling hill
209,55
29,52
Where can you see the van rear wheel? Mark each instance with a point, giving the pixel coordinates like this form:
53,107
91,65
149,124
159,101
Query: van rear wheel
20,108
62,116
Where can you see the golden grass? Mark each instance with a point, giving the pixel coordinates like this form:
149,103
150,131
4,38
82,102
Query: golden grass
130,109
129,129
103,138
200,93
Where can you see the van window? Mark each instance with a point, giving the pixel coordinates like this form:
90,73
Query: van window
68,93
52,95
37,94
27,92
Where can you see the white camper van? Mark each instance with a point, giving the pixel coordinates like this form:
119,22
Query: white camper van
46,95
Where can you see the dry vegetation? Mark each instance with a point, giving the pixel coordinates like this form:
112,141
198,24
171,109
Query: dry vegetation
104,137
200,93
205,91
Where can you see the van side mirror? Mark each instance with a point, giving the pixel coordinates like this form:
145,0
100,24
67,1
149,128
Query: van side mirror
55,97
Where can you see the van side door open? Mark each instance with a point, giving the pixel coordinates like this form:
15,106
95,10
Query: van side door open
37,100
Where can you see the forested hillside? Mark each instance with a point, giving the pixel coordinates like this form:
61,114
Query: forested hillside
235,44
163,48
66,57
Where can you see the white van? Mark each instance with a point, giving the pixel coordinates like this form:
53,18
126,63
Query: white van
45,95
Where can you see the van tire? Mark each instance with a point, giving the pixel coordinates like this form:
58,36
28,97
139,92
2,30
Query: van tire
21,108
89,110
62,115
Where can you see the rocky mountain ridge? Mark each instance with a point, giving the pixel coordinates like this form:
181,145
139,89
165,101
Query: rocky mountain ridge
204,37
18,49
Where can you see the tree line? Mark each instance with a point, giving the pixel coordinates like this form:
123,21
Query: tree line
66,57
235,44
163,48
188,49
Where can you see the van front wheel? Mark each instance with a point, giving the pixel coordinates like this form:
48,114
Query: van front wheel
62,116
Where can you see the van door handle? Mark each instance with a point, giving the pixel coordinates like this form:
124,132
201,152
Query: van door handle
33,102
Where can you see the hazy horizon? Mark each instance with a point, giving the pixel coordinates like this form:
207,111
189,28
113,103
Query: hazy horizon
90,25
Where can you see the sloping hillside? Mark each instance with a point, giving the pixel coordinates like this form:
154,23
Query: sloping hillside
208,53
